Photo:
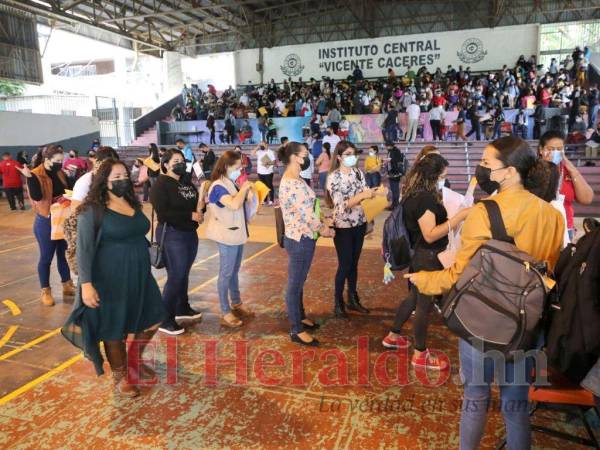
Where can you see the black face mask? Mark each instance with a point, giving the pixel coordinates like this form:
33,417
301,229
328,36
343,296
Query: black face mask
305,163
179,168
56,167
120,187
483,179
71,156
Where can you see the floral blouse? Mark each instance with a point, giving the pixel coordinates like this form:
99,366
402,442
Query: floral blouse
297,202
342,187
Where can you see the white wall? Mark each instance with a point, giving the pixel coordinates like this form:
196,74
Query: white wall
24,129
488,49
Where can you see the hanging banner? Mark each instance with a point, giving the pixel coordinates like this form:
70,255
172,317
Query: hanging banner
479,49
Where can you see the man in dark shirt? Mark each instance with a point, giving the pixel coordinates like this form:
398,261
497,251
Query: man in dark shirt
208,160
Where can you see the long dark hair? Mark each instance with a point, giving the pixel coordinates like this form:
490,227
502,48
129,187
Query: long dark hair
423,176
340,148
153,152
226,160
98,195
543,180
166,157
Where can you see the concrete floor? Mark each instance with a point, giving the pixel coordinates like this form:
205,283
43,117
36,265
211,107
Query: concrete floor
51,398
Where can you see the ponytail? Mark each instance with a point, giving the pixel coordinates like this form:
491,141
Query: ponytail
284,154
543,179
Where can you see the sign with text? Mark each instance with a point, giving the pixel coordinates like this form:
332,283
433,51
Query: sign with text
479,49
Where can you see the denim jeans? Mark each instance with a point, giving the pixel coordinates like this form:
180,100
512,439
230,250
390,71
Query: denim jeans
593,116
323,180
373,179
48,247
300,256
477,372
179,251
394,191
228,284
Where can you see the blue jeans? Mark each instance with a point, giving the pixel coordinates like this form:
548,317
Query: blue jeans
395,191
477,372
300,256
593,116
373,179
228,284
48,247
179,251
323,180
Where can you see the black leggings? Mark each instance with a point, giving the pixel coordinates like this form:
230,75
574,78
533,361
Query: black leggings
268,180
422,304
348,246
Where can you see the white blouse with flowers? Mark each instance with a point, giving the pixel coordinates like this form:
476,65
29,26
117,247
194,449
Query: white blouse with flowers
297,202
342,187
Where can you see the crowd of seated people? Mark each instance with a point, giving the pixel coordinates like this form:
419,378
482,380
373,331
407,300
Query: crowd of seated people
527,83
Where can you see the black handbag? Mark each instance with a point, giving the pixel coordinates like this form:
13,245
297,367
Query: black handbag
156,249
279,226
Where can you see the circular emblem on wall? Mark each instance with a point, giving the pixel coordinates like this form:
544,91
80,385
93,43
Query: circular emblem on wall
471,51
292,65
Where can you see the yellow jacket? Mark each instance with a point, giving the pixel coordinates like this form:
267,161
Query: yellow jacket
535,225
372,164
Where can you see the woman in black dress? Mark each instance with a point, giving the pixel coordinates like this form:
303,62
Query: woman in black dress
117,293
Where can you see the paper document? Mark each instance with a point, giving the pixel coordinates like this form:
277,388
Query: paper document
198,170
374,206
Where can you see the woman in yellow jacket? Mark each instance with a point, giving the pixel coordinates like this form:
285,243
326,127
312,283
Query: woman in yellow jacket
373,167
537,229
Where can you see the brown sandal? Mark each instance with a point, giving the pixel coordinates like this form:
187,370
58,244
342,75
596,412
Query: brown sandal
241,312
231,323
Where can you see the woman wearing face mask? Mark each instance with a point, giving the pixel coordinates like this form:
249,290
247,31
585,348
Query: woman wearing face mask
175,200
297,202
573,187
118,295
227,225
428,226
537,229
373,167
47,183
346,188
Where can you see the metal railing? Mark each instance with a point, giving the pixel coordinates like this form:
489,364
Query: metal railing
149,119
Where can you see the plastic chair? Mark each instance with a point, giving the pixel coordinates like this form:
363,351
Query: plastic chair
562,395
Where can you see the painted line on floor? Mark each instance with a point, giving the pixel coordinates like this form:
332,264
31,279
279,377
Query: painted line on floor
202,261
16,240
29,344
26,387
18,280
8,335
244,261
76,358
12,306
31,244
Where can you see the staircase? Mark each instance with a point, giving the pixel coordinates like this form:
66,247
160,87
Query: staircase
146,138
463,161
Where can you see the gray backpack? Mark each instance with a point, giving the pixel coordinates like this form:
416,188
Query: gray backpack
499,300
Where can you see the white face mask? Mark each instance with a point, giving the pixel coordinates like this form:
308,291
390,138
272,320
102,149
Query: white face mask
441,184
371,153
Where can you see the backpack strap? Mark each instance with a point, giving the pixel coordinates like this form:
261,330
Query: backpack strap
498,229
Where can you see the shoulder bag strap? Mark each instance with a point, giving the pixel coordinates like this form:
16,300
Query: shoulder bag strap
152,227
498,229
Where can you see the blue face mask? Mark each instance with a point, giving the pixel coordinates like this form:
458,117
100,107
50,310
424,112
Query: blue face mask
350,161
556,157
441,184
234,174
